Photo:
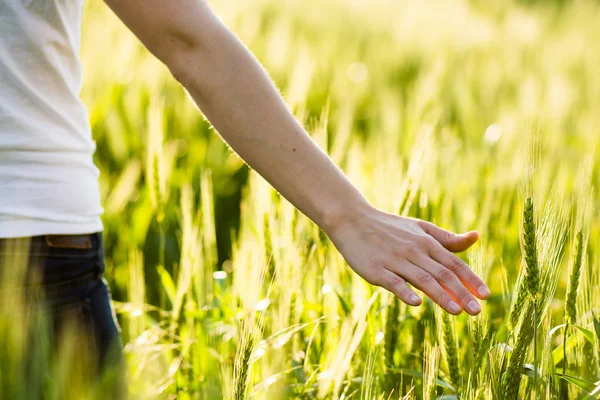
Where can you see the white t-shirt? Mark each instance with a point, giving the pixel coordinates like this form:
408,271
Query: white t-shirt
48,181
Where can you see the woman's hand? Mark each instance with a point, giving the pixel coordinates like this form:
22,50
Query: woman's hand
390,251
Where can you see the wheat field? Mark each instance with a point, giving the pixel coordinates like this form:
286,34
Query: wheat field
470,114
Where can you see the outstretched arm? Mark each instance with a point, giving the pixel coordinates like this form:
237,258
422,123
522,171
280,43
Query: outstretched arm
236,95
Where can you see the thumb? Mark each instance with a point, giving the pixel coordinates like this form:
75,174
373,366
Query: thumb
450,240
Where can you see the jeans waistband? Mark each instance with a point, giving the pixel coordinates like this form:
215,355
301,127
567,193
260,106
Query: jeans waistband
54,259
41,245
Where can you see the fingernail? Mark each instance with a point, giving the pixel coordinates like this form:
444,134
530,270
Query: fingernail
473,306
454,307
414,299
483,291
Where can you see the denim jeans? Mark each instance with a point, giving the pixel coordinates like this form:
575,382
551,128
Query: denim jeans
63,280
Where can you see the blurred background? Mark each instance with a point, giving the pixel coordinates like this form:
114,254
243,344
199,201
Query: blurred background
428,106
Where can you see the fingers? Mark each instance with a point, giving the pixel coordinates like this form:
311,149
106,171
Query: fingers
427,283
461,270
448,280
451,241
397,285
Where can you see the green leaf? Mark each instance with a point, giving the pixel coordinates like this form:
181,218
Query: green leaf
557,353
584,385
167,283
343,302
589,335
594,394
597,327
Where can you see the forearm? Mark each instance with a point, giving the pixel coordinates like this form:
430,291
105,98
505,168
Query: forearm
238,98
235,94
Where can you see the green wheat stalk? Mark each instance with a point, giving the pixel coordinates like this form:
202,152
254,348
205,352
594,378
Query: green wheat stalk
268,243
512,377
570,304
481,337
451,352
570,309
476,336
483,351
533,271
518,304
242,361
528,330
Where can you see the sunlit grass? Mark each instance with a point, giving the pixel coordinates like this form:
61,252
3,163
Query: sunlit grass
224,290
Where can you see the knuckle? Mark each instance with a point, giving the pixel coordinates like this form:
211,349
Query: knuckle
420,225
418,237
431,243
448,236
437,250
394,281
405,293
456,264
424,240
464,296
445,275
424,278
474,280
443,299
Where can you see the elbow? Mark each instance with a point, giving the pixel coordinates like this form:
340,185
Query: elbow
200,69
192,68
174,51
180,61
187,60
203,62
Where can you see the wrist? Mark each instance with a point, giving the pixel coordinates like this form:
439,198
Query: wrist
348,213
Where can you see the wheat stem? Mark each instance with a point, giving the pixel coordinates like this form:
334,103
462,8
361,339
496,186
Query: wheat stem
451,353
529,236
242,362
570,308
